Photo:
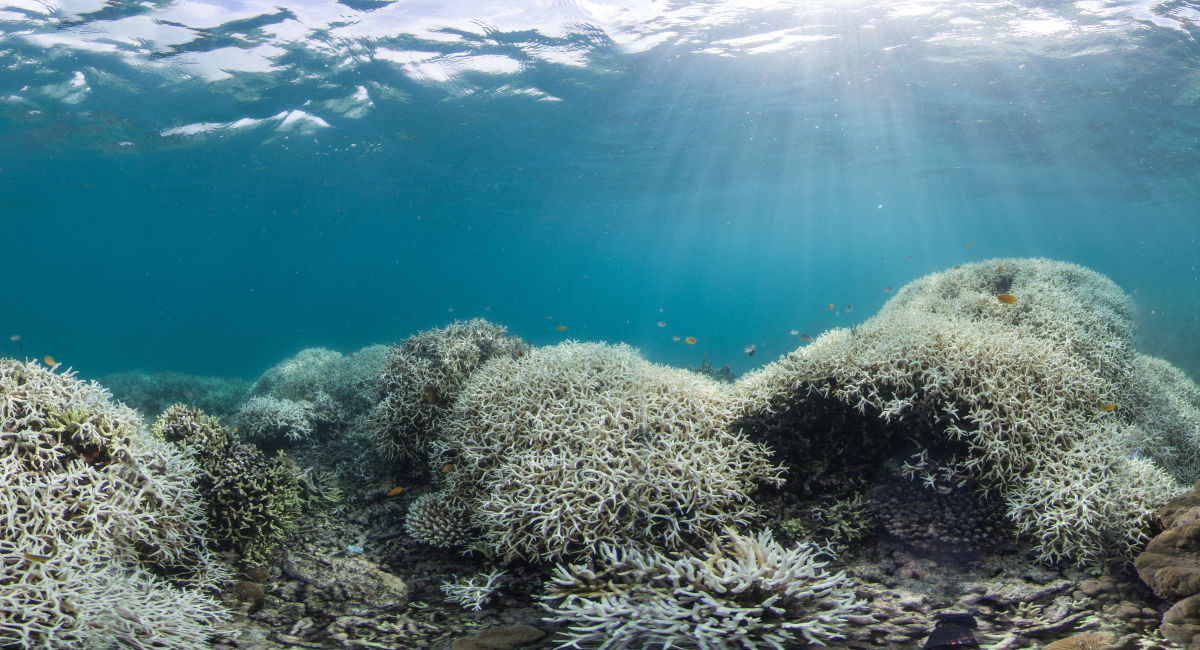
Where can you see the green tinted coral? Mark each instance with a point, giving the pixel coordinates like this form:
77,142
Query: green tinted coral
251,502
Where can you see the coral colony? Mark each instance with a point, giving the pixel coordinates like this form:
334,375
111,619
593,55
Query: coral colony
997,401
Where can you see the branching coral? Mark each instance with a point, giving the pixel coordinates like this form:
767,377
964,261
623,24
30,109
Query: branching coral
1030,401
423,375
474,591
352,381
250,502
95,513
742,592
274,422
581,444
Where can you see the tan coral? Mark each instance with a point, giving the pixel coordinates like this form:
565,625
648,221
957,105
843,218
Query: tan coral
1089,641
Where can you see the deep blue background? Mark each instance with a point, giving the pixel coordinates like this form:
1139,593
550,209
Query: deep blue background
732,197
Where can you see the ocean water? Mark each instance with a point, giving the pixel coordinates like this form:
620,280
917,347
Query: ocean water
210,187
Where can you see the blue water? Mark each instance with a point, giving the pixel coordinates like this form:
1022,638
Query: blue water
211,186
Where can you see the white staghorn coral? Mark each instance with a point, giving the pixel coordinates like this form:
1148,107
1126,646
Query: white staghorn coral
1031,401
581,444
742,592
96,512
422,377
474,591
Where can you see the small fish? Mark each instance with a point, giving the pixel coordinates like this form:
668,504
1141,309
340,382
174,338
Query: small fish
691,340
829,306
351,355
34,557
1007,298
15,337
909,258
806,338
849,308
676,337
793,332
968,244
561,328
888,289
749,350
308,396
1108,407
235,429
430,394
661,323
447,468
549,317
187,394
396,490
958,266
49,360
1001,267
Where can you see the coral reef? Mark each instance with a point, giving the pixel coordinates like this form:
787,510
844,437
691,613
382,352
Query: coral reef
1029,400
273,422
422,377
743,591
938,521
580,444
1170,566
152,393
101,542
438,519
473,591
251,503
352,381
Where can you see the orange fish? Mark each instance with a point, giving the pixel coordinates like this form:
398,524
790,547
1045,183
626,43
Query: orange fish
968,244
49,360
958,266
447,467
235,429
1108,406
561,328
1007,298
308,396
829,306
691,340
1001,267
394,491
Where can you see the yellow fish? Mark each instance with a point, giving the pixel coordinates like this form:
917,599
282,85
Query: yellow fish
447,467
1108,406
49,360
561,328
394,491
1007,298
691,340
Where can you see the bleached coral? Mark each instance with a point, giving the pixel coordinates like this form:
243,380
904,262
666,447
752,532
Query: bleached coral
439,519
742,592
422,377
474,591
1030,401
580,444
352,381
274,422
95,513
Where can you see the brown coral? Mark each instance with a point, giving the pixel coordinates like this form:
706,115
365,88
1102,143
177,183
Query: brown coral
1089,641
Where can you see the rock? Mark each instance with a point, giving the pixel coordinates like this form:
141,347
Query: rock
500,637
248,592
912,603
345,586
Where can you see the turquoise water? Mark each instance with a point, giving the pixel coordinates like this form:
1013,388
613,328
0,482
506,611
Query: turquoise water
211,186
